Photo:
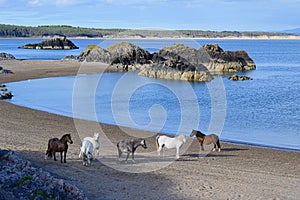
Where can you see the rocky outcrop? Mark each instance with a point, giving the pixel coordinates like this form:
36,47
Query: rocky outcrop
213,57
6,56
176,69
123,56
176,62
226,61
93,53
5,94
5,71
236,77
20,180
127,56
59,43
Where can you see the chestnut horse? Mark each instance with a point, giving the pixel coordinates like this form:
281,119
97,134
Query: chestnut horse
59,145
207,139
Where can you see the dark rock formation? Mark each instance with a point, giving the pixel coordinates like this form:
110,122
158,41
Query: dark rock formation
20,180
235,77
171,71
177,62
213,57
59,43
123,56
127,56
5,94
6,56
94,53
227,61
5,71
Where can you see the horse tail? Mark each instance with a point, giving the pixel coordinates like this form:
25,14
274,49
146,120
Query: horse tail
157,143
49,152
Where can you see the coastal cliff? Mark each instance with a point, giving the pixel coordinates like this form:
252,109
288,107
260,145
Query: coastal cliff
58,43
177,62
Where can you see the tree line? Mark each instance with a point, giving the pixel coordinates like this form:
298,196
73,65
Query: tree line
70,31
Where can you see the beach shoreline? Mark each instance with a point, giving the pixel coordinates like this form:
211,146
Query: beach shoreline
237,172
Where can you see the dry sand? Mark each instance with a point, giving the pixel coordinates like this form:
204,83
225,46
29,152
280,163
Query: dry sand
237,172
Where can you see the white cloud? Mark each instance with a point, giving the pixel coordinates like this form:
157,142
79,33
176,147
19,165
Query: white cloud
56,2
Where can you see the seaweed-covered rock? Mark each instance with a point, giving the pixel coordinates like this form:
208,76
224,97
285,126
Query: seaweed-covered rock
236,77
177,70
128,54
6,56
58,43
6,95
94,53
5,71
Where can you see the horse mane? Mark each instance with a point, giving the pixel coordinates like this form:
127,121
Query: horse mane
180,137
65,135
200,134
96,137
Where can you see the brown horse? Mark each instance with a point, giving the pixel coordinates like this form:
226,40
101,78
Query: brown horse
59,145
207,139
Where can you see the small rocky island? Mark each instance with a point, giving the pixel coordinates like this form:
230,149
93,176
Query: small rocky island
236,77
177,62
57,43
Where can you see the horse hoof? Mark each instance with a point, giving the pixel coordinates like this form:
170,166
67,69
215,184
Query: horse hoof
219,150
213,149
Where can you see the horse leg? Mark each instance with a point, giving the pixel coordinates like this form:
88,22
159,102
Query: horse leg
202,148
159,150
65,155
127,156
61,157
215,145
120,153
219,146
54,155
132,154
177,152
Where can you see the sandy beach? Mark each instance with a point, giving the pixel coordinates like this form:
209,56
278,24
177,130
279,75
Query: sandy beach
237,172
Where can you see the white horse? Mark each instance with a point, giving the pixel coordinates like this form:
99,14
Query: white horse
95,144
168,142
87,149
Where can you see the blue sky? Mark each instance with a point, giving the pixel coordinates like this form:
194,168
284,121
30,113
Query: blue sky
218,15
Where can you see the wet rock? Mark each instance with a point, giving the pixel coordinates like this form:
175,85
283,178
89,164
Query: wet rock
235,77
20,180
6,56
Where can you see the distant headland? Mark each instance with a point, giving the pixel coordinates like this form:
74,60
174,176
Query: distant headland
49,31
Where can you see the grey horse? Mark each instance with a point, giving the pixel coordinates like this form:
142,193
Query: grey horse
129,146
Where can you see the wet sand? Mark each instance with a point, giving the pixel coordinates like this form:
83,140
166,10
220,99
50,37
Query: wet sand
237,172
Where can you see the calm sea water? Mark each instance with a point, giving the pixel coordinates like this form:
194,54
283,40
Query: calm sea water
265,111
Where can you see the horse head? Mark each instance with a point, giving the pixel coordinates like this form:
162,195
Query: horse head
197,133
67,138
143,144
194,132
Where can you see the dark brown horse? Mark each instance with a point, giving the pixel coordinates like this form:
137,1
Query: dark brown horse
206,139
59,145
